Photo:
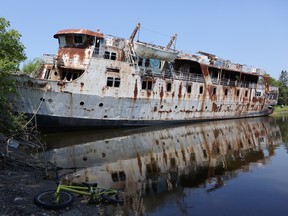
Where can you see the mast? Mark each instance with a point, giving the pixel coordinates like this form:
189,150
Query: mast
134,33
171,41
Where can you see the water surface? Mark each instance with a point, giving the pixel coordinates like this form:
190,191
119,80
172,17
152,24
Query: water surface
231,167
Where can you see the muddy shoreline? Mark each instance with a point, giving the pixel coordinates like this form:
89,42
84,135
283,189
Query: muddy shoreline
19,184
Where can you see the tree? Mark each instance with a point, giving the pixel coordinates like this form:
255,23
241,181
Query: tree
283,79
12,53
283,88
32,66
273,82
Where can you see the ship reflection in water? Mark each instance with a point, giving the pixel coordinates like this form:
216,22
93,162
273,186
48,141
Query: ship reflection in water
162,162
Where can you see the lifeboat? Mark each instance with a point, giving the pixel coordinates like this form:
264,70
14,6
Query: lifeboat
152,51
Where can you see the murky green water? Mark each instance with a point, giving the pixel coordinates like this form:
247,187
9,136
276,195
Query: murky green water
232,167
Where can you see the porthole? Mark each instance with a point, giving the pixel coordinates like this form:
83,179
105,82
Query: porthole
81,103
50,100
101,105
42,99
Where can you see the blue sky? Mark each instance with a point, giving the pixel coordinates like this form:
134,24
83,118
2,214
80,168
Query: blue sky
251,32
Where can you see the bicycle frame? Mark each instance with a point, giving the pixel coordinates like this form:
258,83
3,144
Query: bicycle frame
93,192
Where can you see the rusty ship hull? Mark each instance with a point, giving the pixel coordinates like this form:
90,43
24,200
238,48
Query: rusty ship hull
98,80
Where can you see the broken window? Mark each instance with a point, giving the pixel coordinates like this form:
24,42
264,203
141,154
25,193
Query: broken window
214,90
213,72
70,74
106,55
78,39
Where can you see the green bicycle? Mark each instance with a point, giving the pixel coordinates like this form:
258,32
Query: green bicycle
62,196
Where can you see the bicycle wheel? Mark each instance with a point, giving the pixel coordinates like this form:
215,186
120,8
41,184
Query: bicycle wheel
47,199
112,196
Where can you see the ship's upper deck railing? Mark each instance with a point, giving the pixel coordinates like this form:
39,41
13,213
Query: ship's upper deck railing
48,58
210,59
193,77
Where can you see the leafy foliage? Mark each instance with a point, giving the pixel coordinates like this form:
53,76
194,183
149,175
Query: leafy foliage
283,88
12,53
32,66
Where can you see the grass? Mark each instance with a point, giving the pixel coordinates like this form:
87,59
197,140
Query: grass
280,109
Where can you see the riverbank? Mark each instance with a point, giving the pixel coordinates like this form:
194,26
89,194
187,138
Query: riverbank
21,179
278,110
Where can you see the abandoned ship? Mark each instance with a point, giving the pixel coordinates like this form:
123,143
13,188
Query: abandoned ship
103,80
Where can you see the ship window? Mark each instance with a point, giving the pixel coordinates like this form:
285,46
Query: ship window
169,86
117,82
238,92
113,82
147,84
226,91
205,153
78,39
113,56
114,70
257,94
110,81
201,90
107,55
149,87
246,93
47,74
147,63
62,41
140,62
213,72
189,88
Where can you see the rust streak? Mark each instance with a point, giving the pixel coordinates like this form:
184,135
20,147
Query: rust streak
161,94
180,91
139,163
135,91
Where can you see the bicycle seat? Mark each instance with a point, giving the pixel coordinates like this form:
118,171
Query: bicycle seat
89,184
